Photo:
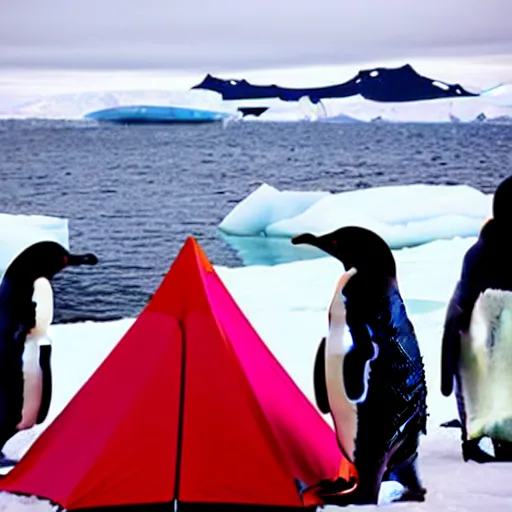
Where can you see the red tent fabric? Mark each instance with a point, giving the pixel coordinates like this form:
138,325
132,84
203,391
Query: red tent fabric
189,406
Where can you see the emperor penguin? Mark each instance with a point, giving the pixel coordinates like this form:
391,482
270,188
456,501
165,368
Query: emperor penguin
26,312
476,357
373,387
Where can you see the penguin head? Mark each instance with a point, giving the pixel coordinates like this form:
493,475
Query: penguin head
502,202
45,259
362,249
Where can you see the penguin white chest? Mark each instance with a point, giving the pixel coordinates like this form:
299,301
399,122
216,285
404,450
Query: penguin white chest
32,373
486,366
343,411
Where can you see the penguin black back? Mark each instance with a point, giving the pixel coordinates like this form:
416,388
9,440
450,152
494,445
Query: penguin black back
502,202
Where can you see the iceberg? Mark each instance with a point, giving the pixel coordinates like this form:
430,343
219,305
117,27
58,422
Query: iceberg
79,104
265,206
499,95
442,110
17,232
404,216
149,114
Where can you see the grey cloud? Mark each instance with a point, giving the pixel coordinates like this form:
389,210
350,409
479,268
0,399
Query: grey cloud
210,35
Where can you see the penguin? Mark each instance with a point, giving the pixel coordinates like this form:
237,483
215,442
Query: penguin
26,312
476,355
374,388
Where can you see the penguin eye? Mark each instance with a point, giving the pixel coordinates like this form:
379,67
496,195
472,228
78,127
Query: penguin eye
65,259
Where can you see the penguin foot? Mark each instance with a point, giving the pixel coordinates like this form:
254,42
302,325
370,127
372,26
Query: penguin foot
471,451
356,370
333,492
407,475
352,498
340,485
412,495
502,451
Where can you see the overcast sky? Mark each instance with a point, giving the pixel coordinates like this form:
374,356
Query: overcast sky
208,35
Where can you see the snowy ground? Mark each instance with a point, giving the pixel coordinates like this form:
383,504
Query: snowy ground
287,305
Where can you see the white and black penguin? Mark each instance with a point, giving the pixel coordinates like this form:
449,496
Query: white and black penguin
26,311
374,389
477,338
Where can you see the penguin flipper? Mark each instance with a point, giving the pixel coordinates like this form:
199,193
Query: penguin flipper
45,352
455,423
319,380
447,364
11,394
356,363
28,316
450,348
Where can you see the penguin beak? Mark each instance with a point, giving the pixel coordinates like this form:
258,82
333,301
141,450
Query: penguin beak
82,259
328,245
305,238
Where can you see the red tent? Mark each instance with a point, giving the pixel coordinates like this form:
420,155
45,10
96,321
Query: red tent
190,407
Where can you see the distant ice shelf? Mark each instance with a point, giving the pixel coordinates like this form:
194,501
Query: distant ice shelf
146,114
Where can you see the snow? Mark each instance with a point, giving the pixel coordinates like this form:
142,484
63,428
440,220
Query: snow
12,503
287,305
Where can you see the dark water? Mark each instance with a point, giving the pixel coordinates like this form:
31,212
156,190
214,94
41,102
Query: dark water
133,194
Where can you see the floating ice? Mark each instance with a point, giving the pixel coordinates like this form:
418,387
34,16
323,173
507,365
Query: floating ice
403,215
265,206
